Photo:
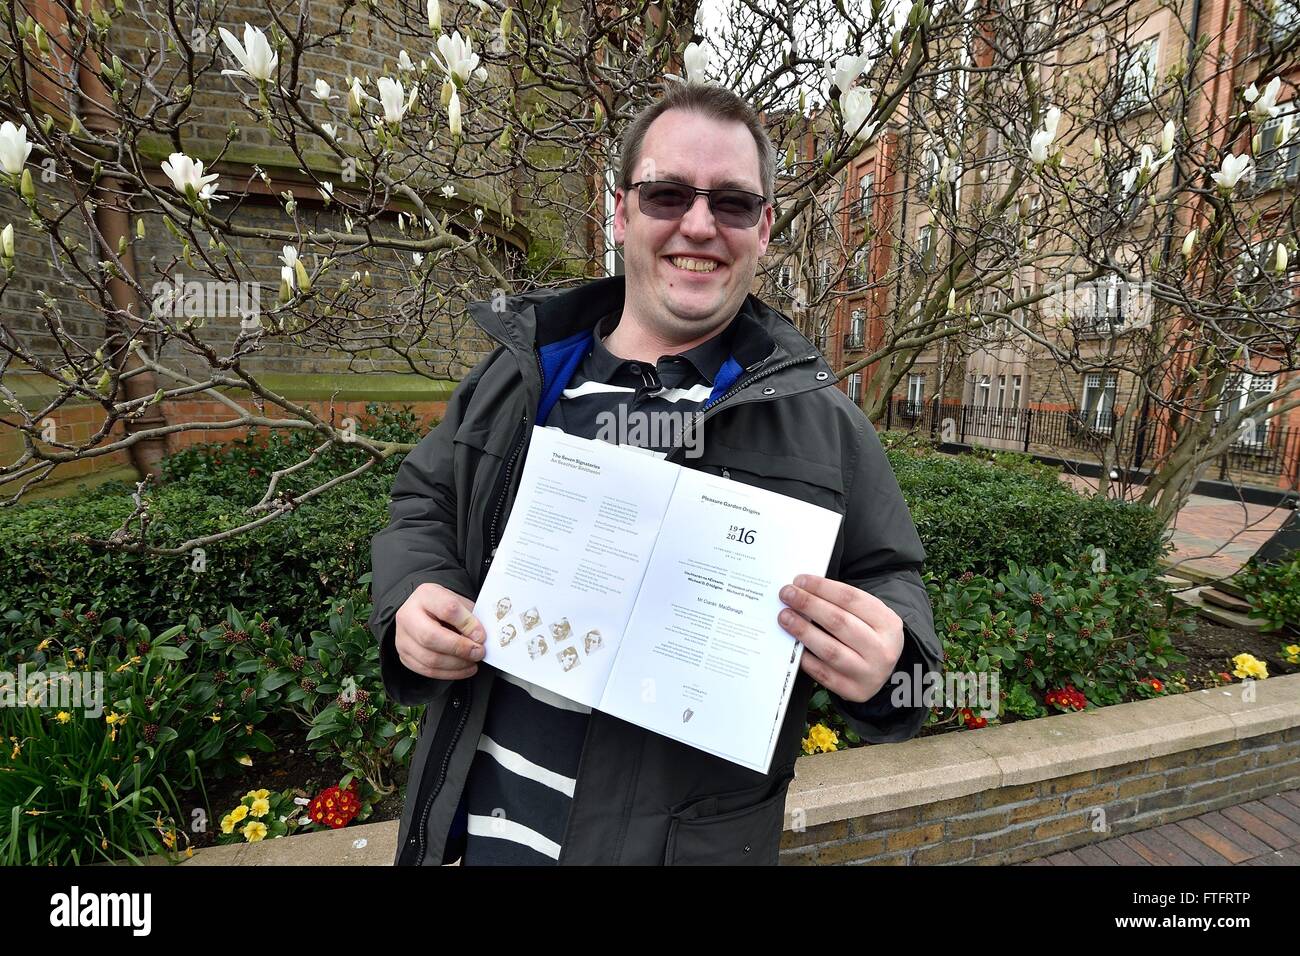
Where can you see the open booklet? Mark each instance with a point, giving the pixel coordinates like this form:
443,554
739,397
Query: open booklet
650,591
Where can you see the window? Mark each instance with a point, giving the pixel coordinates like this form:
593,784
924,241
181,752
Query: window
1241,391
1278,163
1098,402
1263,289
859,267
928,175
855,388
866,187
1029,220
824,276
1137,75
857,329
924,248
915,393
1103,304
982,388
1002,391
1015,391
1286,20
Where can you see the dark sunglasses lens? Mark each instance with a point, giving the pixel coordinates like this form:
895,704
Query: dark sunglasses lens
736,208
664,200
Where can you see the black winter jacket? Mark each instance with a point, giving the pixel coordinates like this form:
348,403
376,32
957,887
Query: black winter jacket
774,421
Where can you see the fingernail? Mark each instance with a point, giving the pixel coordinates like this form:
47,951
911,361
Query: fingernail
476,651
787,593
801,580
786,617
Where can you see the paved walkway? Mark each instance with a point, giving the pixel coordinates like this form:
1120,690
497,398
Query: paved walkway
1213,537
1255,833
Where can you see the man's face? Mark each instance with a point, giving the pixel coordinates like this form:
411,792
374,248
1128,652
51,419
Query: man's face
674,304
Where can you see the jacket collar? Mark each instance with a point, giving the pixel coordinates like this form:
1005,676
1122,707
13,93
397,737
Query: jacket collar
549,331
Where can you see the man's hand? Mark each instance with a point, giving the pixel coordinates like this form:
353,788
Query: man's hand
437,634
852,640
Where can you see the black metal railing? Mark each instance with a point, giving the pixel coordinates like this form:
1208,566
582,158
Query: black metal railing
1267,449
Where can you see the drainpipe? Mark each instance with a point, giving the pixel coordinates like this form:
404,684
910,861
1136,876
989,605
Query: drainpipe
112,219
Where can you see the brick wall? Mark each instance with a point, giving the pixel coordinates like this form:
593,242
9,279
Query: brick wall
1016,823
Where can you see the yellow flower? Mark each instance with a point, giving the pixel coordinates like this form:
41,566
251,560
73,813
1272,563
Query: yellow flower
80,652
18,749
169,839
215,718
43,644
1292,652
228,824
63,716
1248,665
261,807
822,738
254,831
115,718
239,813
261,794
244,759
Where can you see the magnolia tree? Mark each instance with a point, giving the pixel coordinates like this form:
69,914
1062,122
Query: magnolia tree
348,175
1040,177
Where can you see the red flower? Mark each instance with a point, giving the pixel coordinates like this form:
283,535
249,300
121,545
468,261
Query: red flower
969,719
1154,684
334,807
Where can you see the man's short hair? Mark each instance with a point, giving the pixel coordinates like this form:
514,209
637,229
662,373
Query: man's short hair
710,100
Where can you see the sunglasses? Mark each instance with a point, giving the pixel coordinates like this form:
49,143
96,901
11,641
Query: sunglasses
663,199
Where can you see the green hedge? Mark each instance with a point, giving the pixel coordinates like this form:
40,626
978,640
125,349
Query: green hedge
972,515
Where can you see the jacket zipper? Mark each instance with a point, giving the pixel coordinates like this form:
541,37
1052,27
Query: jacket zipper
442,774
510,463
744,383
460,724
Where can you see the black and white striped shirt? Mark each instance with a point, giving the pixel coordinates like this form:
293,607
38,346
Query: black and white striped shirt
521,781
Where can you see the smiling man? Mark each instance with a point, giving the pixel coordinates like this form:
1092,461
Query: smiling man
507,773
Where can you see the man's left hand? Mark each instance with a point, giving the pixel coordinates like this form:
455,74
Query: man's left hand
852,640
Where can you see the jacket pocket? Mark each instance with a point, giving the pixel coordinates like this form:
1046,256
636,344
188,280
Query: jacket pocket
714,831
815,482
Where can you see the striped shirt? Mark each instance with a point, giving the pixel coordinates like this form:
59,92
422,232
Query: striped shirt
521,781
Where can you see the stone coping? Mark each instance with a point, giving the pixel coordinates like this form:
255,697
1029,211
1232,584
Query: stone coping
875,779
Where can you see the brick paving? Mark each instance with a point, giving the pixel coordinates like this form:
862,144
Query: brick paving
1263,832
1213,536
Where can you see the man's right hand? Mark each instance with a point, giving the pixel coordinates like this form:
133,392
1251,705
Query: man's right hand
428,634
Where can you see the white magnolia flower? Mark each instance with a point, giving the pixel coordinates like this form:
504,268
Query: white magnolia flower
417,258
458,59
856,104
7,242
482,6
448,191
322,91
1280,257
14,148
330,130
256,59
846,69
1264,105
1189,243
184,171
453,114
435,16
391,96
326,190
696,58
478,216
1167,137
404,61
356,97
1040,143
287,277
289,256
1230,173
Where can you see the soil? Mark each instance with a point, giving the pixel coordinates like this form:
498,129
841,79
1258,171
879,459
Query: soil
291,766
